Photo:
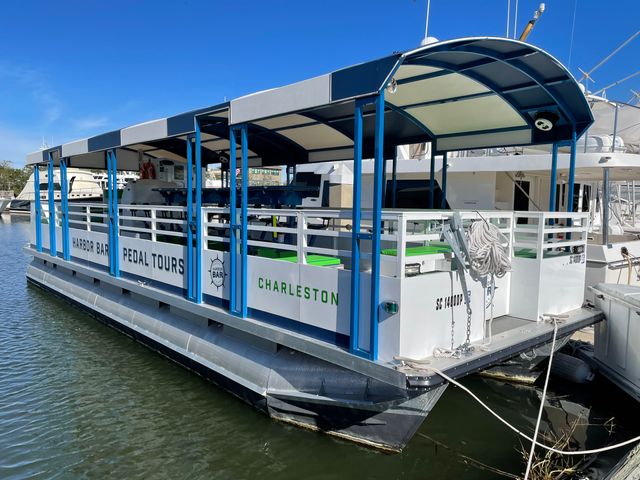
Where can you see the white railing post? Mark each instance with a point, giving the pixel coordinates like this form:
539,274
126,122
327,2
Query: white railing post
301,239
401,237
152,215
541,236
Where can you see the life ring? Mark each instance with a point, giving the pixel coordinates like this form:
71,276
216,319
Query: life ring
148,171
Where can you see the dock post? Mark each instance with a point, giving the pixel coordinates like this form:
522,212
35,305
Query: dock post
190,221
244,220
553,178
394,179
572,171
52,207
443,201
198,195
64,208
37,209
354,312
432,178
112,178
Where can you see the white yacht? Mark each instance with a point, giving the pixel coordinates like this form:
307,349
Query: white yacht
81,187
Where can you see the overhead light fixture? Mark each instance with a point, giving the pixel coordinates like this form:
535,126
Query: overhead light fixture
392,86
545,121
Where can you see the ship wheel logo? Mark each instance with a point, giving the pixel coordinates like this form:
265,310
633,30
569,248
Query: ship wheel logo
217,272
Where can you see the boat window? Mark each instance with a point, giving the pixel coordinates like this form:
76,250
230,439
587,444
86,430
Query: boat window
45,186
308,179
412,194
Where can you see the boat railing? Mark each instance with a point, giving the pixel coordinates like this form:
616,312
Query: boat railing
164,224
545,232
297,234
86,216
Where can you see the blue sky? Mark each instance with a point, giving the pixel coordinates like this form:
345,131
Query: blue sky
72,69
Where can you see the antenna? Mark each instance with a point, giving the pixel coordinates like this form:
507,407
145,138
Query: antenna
426,23
608,57
515,20
587,78
508,16
618,82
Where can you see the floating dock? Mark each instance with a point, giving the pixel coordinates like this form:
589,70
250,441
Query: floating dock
332,318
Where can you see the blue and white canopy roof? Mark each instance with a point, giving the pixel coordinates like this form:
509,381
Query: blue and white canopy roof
459,94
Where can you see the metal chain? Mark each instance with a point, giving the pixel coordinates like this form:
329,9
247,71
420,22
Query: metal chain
453,324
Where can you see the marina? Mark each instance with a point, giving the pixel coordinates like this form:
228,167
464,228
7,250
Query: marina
424,262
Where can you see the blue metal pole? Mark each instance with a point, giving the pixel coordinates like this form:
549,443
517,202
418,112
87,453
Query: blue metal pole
37,207
199,233
52,209
190,222
572,171
443,203
394,173
377,225
233,222
110,213
64,204
354,312
115,223
554,176
244,218
432,178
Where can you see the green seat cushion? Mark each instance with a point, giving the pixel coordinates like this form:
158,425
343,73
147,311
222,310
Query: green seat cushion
525,253
415,251
289,256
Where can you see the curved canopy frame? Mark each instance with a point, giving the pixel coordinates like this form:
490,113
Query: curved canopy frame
459,94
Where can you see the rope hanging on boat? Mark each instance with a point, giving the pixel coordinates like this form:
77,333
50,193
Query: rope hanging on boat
522,434
488,251
489,258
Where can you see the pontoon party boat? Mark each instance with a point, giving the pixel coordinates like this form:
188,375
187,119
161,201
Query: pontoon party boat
335,319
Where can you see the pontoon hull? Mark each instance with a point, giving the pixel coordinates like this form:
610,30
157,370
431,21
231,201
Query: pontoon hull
288,385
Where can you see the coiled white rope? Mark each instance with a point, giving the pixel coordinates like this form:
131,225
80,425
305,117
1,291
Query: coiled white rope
488,249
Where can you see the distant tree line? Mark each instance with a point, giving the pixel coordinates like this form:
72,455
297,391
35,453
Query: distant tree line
13,179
